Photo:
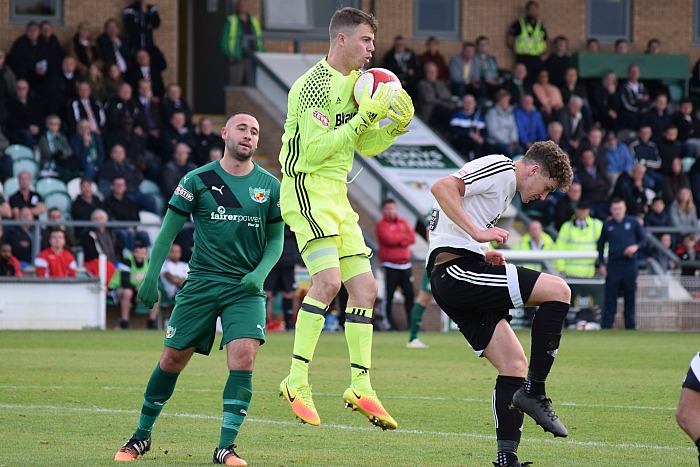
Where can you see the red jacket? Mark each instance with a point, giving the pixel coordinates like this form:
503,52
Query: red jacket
49,264
395,236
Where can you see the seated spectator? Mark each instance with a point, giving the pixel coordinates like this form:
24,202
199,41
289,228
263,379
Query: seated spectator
683,212
645,152
630,188
463,74
517,85
26,198
432,54
177,131
88,149
85,203
688,128
658,216
215,154
605,102
558,60
57,158
119,107
121,208
529,122
486,68
536,239
206,140
173,102
619,159
174,170
174,272
113,79
595,184
564,209
634,99
111,46
136,266
55,260
9,266
83,48
434,103
20,238
134,142
572,121
468,129
572,87
674,180
555,131
689,250
669,147
657,117
147,68
404,63
85,107
578,233
25,115
150,115
501,126
62,88
96,80
69,241
118,166
549,100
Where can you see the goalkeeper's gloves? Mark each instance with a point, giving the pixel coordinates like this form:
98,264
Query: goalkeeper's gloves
372,108
400,113
148,292
252,283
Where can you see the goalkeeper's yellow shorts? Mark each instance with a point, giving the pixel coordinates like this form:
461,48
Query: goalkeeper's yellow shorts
319,213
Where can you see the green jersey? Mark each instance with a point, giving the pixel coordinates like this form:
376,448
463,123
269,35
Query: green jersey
316,138
230,216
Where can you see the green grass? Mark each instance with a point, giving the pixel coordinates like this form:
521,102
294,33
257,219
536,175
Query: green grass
72,398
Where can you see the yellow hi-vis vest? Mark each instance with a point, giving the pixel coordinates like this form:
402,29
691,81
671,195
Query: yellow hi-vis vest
531,39
572,238
232,40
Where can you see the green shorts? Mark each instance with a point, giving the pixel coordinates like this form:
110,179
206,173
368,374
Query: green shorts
316,207
425,282
199,303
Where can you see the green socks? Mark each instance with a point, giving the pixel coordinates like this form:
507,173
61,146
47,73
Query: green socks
416,321
237,394
310,322
358,334
159,389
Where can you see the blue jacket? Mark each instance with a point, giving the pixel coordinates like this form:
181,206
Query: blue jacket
530,126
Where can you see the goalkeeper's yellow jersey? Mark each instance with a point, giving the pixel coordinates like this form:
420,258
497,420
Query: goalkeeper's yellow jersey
316,138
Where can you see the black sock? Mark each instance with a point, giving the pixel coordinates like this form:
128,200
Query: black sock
287,305
508,422
546,334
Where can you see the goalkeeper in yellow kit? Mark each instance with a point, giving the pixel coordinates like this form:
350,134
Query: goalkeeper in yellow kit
322,131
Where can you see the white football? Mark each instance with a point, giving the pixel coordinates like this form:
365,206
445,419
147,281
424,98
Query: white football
371,78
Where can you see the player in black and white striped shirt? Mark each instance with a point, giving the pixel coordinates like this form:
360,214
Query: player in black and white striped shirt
476,287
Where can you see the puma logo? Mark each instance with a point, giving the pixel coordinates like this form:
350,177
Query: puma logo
220,190
259,327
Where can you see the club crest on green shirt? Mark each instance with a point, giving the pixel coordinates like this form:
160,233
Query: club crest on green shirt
259,195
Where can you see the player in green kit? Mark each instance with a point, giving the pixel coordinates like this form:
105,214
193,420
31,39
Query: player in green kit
238,239
322,131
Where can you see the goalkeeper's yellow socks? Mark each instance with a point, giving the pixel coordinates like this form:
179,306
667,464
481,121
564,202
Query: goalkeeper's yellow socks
237,394
159,389
309,325
358,334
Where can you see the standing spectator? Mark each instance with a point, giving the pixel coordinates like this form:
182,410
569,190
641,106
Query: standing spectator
624,235
468,129
174,272
55,261
595,184
404,63
88,149
572,122
688,250
558,61
683,212
84,106
9,266
688,411
657,117
136,266
528,39
62,88
139,20
489,79
432,54
646,152
206,140
242,35
121,208
630,188
25,197
517,85
434,101
148,67
548,96
621,46
529,122
21,237
674,180
618,158
579,233
83,48
395,236
536,239
177,168
501,126
669,147
25,115
634,99
605,102
54,51
282,280
28,58
688,128
463,73
112,47
592,45
173,102
565,207
57,158
8,80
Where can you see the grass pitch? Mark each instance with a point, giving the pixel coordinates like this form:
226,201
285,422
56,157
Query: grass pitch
72,398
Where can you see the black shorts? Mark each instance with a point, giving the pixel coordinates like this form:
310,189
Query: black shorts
477,295
280,280
691,379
